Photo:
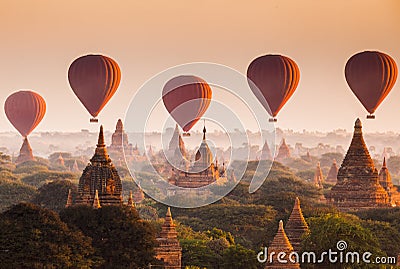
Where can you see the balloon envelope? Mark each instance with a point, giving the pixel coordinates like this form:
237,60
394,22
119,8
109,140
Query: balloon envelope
371,75
25,110
94,80
186,98
273,79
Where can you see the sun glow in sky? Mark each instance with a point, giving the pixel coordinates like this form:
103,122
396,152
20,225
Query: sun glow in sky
40,39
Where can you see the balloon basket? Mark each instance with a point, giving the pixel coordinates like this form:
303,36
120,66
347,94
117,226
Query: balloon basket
272,120
186,134
94,120
371,116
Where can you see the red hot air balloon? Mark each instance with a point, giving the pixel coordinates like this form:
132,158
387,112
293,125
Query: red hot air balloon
273,79
94,80
25,110
186,98
371,75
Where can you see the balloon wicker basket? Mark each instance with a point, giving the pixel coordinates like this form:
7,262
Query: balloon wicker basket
272,120
370,116
94,120
186,134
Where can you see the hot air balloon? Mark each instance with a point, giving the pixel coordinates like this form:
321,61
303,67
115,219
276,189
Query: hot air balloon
186,98
94,80
371,75
273,79
25,110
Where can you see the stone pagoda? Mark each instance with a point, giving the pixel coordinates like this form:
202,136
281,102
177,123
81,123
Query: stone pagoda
176,154
60,161
265,152
25,153
296,226
385,179
283,152
202,172
120,144
168,249
318,177
280,243
100,178
332,174
357,184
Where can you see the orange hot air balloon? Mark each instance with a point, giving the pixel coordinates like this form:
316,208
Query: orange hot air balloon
186,98
371,75
273,79
25,110
94,80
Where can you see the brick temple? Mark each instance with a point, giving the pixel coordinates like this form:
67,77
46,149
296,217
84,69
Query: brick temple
358,184
283,151
168,249
296,227
100,178
25,153
332,174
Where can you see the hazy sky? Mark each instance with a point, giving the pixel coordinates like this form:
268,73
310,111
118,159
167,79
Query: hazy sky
39,40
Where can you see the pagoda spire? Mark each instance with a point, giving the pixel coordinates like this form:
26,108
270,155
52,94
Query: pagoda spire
296,226
318,176
280,243
101,155
96,201
25,153
69,199
131,202
204,131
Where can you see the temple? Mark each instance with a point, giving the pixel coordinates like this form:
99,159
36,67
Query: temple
176,154
385,179
357,184
296,227
120,144
168,249
318,177
280,243
202,172
332,174
265,153
283,152
25,153
60,161
100,178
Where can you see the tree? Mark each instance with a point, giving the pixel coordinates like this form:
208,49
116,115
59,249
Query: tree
328,229
119,236
33,237
53,195
13,192
238,257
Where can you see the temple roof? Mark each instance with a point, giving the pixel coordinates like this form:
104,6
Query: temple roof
204,156
333,171
284,151
281,241
265,152
100,156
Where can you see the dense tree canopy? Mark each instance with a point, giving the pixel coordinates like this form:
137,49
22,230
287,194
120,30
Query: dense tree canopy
33,237
119,236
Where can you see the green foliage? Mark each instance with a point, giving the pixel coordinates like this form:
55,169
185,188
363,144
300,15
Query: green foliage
32,237
42,177
306,175
13,192
119,236
327,230
327,158
238,257
53,195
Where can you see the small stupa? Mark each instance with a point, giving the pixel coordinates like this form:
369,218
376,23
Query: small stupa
332,174
283,152
25,153
296,226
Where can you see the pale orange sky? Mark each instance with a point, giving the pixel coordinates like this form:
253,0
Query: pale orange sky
39,40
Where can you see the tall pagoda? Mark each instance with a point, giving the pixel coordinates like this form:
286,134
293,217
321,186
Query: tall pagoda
357,184
385,179
120,144
25,153
280,243
100,178
168,249
332,174
318,176
284,151
265,152
296,226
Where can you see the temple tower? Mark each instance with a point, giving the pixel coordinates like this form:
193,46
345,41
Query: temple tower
385,179
283,152
280,243
101,177
318,176
332,174
25,153
265,152
357,184
296,226
169,250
